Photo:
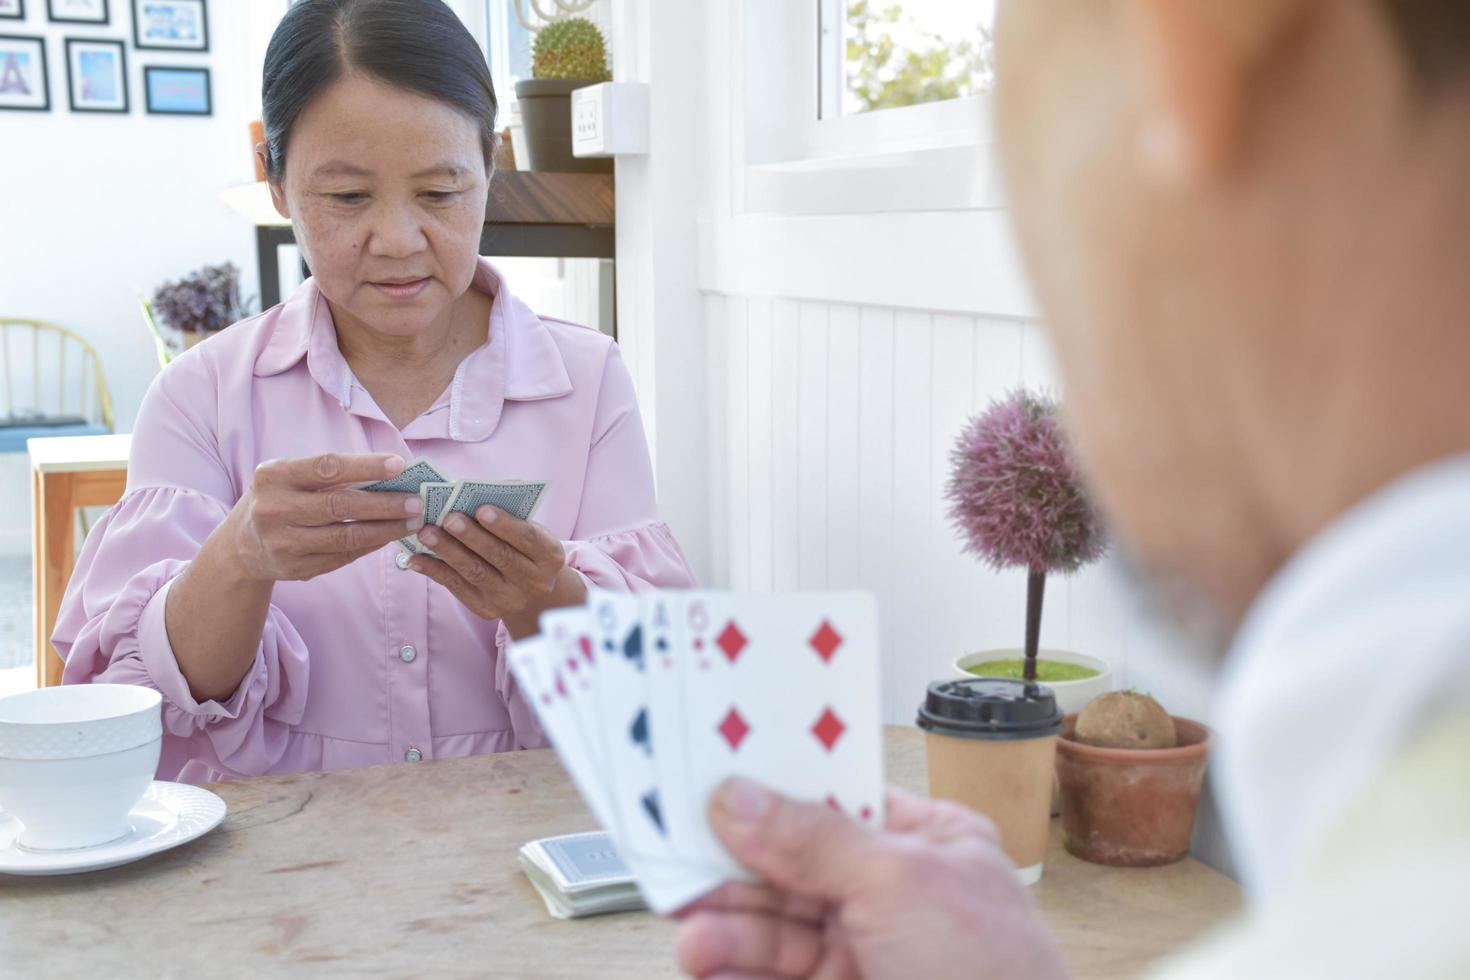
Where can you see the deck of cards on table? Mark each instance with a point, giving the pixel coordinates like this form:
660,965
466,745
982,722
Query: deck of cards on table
442,496
652,700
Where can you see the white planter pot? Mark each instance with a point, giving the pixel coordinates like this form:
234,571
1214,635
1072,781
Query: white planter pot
1071,695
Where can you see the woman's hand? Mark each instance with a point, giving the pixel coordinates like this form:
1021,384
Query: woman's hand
501,568
299,518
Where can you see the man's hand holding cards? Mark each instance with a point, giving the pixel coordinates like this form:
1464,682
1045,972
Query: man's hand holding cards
653,700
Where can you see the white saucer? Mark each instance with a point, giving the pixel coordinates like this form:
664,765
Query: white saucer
169,814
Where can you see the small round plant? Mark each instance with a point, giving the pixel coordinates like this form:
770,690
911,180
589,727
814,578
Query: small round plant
571,48
1016,495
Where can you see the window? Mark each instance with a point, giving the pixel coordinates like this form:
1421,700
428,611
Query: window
892,54
897,120
508,47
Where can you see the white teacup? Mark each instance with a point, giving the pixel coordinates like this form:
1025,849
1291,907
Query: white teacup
75,760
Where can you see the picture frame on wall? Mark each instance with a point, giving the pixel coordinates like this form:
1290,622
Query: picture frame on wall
77,11
170,25
96,75
176,91
23,76
12,9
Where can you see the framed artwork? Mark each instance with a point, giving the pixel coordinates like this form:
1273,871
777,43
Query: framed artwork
23,73
177,91
13,9
170,25
96,75
77,11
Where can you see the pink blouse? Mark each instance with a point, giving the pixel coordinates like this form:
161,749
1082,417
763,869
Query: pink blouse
371,663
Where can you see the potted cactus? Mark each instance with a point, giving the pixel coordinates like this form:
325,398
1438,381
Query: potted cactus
567,55
1016,497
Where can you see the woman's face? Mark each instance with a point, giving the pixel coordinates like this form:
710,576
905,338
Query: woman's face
386,190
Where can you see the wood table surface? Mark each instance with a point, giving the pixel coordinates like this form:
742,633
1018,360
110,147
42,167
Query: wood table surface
410,870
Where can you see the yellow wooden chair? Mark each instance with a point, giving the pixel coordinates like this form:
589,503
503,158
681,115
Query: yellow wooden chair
53,384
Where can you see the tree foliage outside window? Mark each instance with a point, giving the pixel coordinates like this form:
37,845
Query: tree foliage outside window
893,60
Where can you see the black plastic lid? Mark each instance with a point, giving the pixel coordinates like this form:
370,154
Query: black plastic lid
990,708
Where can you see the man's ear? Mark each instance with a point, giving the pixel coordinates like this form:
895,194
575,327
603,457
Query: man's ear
1196,62
278,193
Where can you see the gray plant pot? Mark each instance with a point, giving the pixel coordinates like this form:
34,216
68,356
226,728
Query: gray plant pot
546,113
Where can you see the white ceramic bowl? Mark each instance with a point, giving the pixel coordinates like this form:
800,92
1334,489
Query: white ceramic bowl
75,760
1071,695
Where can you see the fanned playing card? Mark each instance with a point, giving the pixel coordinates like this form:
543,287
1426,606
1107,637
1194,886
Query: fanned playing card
652,701
535,668
568,635
519,498
626,725
416,473
784,690
435,497
661,662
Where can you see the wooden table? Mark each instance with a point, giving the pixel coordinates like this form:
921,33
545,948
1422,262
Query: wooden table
67,472
411,869
528,213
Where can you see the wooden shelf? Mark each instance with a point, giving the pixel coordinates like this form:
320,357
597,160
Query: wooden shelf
525,197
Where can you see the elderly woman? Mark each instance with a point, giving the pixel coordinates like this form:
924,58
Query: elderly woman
241,574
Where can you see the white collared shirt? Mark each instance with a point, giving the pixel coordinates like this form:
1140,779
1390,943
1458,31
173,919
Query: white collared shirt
1357,645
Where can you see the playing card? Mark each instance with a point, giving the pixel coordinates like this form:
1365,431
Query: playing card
519,498
534,662
666,707
545,687
435,496
415,474
579,862
579,875
568,636
622,697
783,690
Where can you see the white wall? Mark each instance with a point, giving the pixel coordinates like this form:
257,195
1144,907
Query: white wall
830,432
101,208
97,209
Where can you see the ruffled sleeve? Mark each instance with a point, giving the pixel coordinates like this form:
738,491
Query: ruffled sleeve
111,625
619,541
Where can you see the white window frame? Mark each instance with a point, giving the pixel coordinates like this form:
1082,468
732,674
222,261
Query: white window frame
933,157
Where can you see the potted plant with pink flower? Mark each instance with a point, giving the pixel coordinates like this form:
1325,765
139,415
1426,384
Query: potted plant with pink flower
1017,498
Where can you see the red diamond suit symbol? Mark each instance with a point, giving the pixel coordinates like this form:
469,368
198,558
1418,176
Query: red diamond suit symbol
825,641
828,729
731,641
734,729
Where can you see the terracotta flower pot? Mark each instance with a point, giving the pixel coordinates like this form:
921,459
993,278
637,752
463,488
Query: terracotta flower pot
1131,807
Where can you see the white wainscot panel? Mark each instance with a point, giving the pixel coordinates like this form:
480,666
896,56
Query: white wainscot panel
831,432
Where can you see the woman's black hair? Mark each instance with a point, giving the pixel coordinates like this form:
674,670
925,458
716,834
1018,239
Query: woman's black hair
418,45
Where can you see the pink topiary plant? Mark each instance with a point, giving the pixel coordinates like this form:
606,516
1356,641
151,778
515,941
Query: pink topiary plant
1016,495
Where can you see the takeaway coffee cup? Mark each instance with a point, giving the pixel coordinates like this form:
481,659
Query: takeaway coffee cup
992,746
75,760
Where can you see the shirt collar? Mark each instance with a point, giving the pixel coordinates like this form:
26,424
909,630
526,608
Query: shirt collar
1354,646
520,361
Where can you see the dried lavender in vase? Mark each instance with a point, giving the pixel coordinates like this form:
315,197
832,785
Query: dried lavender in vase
204,301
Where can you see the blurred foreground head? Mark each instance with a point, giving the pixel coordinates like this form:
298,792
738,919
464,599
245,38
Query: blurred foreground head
1248,223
